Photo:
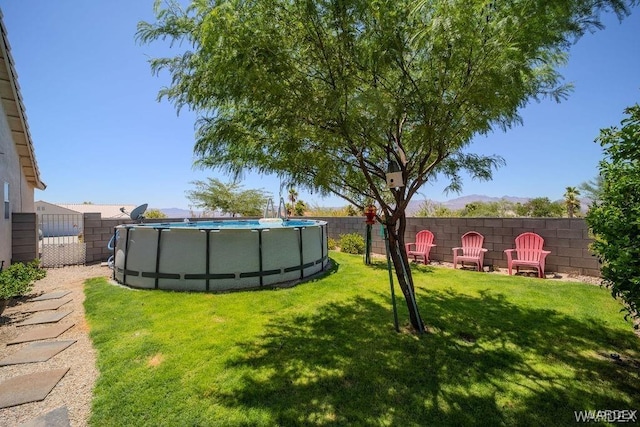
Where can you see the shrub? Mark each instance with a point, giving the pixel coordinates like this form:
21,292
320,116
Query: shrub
614,219
155,214
352,243
332,243
18,279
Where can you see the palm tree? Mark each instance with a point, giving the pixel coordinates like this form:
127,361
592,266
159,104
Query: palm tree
293,195
571,201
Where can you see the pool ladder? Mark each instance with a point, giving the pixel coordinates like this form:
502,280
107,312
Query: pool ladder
270,212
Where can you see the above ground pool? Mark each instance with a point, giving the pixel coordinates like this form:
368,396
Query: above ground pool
218,255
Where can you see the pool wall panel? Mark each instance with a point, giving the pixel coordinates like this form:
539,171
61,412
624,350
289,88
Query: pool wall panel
280,252
311,250
141,257
238,257
181,252
234,252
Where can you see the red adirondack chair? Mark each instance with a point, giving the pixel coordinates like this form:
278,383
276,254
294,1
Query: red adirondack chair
422,246
529,253
471,250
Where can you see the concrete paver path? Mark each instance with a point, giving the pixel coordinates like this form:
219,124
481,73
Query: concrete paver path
35,392
36,352
43,332
29,387
44,317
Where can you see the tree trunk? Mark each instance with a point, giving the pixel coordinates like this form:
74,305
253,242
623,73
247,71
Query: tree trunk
398,253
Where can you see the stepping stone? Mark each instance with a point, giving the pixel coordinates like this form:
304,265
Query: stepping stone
46,305
39,318
30,387
36,352
57,418
43,306
41,333
51,295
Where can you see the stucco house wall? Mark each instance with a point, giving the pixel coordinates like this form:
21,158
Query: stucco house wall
11,181
19,174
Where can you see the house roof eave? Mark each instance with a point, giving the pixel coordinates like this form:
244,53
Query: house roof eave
15,111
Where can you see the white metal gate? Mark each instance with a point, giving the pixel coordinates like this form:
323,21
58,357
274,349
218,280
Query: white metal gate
61,240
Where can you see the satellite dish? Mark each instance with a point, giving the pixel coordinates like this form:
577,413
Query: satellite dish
137,213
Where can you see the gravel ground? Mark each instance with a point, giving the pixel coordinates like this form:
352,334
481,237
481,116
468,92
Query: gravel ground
75,389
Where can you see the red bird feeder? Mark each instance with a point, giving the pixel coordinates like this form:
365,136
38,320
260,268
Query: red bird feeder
370,213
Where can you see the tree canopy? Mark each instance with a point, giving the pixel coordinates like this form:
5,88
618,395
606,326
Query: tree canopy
615,217
332,94
154,214
228,198
540,207
327,93
592,188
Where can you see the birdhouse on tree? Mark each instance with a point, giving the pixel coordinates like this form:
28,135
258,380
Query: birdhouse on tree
394,175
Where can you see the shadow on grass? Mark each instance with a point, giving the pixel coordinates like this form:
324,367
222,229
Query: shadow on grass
381,264
487,361
331,268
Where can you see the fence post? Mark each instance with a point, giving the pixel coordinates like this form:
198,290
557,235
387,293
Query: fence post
24,237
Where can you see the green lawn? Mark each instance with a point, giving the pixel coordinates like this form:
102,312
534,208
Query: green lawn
500,350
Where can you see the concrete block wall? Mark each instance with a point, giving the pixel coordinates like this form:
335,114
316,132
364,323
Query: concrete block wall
97,233
568,239
24,237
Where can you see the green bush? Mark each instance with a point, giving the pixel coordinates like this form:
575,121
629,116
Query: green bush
18,279
352,243
615,218
332,243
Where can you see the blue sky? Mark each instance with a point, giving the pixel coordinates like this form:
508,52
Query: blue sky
101,136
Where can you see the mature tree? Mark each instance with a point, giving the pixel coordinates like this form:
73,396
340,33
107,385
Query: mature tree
228,198
351,211
499,209
540,207
493,209
444,212
592,189
332,94
426,208
429,208
571,201
615,218
300,208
